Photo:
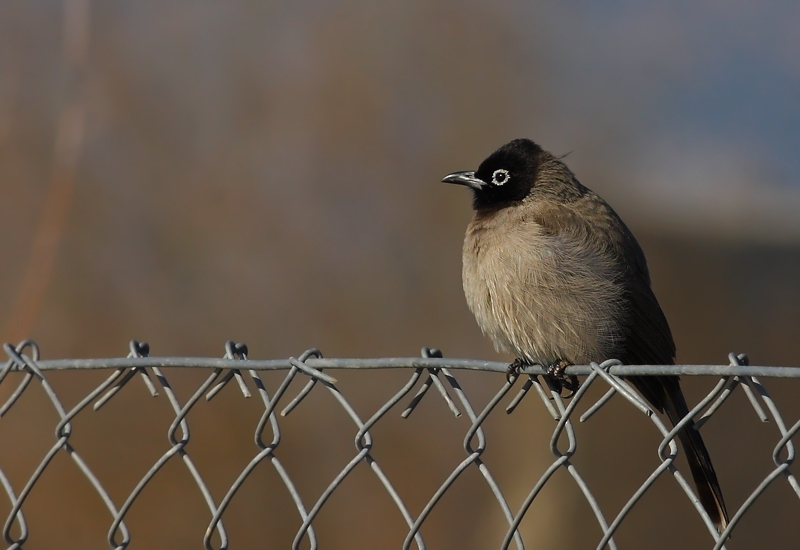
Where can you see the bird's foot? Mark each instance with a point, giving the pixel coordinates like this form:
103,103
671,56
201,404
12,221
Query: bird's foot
561,380
514,368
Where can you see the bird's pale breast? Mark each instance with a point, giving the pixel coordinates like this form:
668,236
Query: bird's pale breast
539,296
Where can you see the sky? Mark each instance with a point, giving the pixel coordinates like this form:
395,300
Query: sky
686,111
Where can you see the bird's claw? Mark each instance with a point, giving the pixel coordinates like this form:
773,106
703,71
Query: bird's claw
561,380
513,370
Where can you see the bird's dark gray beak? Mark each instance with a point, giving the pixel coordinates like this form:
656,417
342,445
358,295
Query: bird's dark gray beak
465,178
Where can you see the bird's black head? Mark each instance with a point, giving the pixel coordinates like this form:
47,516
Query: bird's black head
505,177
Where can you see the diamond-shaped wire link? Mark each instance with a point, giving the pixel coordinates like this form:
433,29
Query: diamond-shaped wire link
429,371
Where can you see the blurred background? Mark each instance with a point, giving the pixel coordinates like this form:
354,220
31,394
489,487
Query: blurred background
268,172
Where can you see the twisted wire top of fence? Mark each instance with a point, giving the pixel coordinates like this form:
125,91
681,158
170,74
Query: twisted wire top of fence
429,371
320,363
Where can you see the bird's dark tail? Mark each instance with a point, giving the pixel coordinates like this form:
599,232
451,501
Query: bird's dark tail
705,478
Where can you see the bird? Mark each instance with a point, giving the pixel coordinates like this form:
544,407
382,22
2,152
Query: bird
554,277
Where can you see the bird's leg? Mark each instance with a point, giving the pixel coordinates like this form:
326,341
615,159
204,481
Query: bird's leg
513,369
561,380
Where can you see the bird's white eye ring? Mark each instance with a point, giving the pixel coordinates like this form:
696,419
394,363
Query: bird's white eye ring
500,177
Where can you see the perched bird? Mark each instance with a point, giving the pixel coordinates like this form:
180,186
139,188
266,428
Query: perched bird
554,277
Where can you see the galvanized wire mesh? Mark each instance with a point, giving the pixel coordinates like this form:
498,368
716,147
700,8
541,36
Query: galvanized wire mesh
429,372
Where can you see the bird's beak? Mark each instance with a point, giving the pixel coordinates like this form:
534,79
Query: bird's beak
465,178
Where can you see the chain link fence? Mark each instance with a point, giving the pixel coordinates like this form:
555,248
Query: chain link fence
430,377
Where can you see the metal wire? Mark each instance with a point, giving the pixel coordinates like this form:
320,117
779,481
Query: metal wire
426,372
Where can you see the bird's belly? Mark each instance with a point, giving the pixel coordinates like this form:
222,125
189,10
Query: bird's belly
543,302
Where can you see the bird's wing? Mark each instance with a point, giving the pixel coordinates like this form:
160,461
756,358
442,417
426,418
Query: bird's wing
649,340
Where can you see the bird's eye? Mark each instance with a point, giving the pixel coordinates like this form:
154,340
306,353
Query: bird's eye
500,177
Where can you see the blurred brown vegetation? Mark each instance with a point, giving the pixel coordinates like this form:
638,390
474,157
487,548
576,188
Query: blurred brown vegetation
269,174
